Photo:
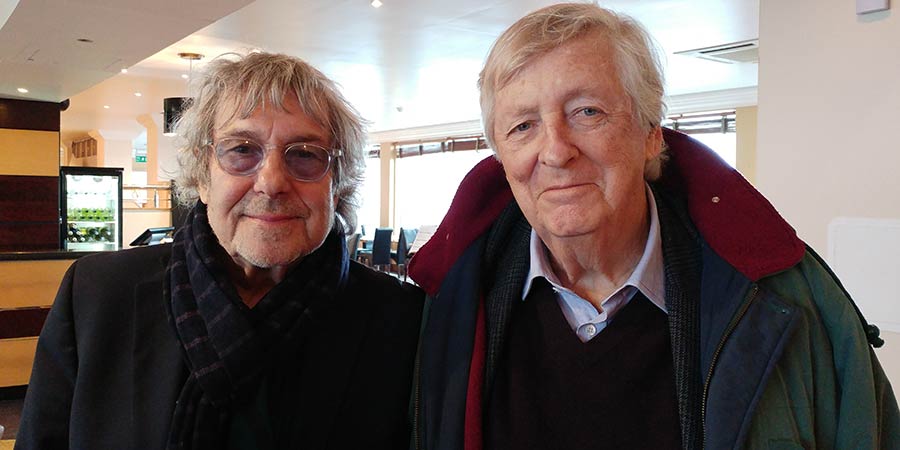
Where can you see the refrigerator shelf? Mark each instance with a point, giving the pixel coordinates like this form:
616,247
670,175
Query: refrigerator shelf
94,222
91,246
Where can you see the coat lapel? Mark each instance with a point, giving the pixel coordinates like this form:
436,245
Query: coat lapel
507,259
329,363
681,255
159,371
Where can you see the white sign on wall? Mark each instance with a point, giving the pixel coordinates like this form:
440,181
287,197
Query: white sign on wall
865,255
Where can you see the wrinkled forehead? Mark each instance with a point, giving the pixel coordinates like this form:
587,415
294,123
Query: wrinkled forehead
527,56
241,105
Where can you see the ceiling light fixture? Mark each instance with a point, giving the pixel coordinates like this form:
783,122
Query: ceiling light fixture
376,3
138,94
173,106
105,106
22,90
124,70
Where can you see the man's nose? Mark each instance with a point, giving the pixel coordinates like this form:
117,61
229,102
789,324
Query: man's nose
273,177
559,147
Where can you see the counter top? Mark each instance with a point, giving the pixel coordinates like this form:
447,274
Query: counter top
42,255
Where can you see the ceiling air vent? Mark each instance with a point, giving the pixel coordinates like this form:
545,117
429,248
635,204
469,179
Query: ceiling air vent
735,52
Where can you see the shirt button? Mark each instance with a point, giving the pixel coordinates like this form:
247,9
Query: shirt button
591,329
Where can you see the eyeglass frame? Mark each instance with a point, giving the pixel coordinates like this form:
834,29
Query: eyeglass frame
332,154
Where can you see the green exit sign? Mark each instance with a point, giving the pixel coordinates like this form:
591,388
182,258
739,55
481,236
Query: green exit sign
140,158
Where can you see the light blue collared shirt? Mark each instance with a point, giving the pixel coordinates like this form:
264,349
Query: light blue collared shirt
648,277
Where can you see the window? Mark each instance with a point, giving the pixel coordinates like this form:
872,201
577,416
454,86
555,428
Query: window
426,184
370,193
715,129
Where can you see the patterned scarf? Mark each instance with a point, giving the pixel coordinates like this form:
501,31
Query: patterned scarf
228,347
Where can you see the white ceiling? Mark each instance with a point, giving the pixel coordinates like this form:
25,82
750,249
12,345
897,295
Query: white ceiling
407,64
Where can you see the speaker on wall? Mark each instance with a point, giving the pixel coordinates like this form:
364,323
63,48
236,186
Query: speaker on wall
172,108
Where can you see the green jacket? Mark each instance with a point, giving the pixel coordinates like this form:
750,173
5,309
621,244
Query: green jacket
827,390
769,351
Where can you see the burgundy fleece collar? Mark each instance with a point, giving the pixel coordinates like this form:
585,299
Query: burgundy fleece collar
736,221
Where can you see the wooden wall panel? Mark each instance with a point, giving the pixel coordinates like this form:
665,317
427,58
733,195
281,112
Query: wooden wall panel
17,323
29,237
29,213
31,283
29,199
29,288
29,115
16,359
28,152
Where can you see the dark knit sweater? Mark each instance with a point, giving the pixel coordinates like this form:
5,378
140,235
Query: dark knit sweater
552,391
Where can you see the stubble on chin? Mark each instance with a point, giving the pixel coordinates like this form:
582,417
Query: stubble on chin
267,248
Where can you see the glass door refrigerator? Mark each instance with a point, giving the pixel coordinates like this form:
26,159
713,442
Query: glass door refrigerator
90,208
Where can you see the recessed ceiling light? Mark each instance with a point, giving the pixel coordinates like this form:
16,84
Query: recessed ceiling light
105,106
124,70
376,3
137,94
22,90
185,76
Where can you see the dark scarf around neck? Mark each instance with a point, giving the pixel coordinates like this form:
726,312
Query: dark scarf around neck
228,348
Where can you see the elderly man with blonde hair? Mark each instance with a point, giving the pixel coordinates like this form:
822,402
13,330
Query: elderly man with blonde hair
586,293
252,330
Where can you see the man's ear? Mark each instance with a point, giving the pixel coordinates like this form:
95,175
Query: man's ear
653,143
204,193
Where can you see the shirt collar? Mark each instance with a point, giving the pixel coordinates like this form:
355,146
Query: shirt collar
648,275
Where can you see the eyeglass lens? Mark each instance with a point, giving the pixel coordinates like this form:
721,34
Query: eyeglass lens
305,162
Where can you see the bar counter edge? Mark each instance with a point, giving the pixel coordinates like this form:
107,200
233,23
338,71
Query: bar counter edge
42,255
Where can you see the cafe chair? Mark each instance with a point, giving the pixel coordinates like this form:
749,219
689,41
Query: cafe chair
401,256
366,243
381,249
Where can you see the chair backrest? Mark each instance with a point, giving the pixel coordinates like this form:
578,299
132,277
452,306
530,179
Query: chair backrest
381,246
402,247
407,236
353,246
411,234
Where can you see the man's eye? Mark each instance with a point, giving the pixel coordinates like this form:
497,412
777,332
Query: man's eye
524,126
241,150
590,111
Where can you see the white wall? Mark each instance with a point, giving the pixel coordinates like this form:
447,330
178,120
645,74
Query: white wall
829,104
166,152
117,153
135,221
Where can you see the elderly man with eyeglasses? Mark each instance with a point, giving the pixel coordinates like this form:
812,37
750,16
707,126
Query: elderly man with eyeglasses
252,330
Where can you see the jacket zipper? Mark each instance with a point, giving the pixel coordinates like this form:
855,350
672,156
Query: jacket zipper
416,406
417,382
712,365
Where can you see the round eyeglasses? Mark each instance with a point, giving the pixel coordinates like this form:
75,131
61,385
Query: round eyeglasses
243,157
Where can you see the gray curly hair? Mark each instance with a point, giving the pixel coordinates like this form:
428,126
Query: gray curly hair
547,28
263,79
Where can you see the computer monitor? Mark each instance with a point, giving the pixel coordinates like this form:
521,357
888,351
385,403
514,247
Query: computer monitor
153,236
